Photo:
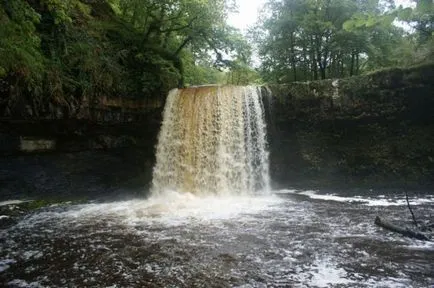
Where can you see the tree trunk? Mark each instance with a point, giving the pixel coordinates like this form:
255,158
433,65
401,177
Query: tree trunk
319,56
305,63
403,231
357,63
325,63
342,68
352,64
294,64
313,60
322,70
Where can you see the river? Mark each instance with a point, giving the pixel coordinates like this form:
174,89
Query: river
286,239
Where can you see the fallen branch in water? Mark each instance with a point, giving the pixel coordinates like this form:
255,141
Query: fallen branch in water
403,231
409,208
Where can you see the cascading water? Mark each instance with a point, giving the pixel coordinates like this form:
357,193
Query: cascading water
213,141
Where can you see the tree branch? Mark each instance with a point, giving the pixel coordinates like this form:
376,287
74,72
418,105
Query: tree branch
409,208
185,42
179,28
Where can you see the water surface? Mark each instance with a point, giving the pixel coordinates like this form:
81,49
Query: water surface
288,239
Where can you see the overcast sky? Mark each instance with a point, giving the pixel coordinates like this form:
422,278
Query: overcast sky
248,12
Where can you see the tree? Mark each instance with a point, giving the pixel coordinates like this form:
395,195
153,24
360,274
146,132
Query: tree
169,27
421,19
307,40
63,53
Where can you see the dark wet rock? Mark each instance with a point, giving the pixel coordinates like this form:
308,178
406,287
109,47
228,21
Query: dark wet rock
374,130
58,177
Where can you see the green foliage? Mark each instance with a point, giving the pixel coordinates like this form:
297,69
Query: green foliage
19,42
242,74
307,40
62,53
59,9
200,72
174,26
421,18
161,76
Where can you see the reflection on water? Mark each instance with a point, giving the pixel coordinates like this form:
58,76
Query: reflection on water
181,240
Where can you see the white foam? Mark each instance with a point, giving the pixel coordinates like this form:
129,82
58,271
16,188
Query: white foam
389,282
13,202
421,245
24,284
368,201
170,208
32,254
5,264
326,274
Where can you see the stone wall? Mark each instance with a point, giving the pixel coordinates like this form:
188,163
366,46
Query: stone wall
373,130
104,124
106,149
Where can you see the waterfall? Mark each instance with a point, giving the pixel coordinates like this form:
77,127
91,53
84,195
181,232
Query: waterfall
213,141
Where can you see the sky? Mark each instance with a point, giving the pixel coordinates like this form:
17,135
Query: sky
248,12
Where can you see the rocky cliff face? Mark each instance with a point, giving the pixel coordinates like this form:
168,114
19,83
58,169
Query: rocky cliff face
102,148
104,124
369,130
